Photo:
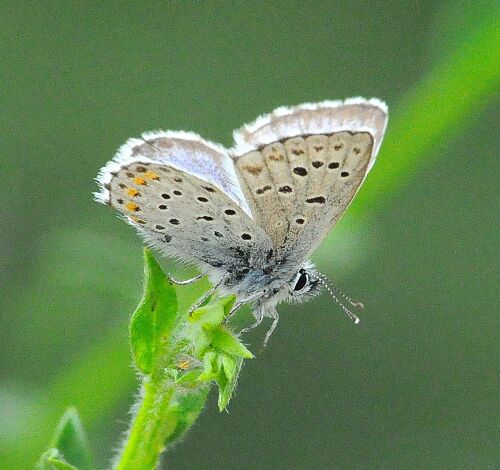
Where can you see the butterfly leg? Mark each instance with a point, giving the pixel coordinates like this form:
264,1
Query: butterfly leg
187,281
208,294
240,303
259,316
273,313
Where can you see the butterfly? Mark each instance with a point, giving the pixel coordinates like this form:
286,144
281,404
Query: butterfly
249,217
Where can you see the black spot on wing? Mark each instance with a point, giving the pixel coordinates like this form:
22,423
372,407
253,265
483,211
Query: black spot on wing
299,170
316,200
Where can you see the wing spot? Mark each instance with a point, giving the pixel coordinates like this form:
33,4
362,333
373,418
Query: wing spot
246,236
151,175
160,227
299,170
202,199
162,207
165,196
177,193
333,165
130,174
133,192
253,169
205,217
317,164
167,238
263,190
174,221
122,186
316,200
298,151
141,169
140,221
229,212
218,234
204,239
300,221
178,180
344,174
140,180
285,189
209,189
276,158
356,150
318,148
164,169
338,146
132,207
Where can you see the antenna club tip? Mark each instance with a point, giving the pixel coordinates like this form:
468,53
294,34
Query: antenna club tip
356,321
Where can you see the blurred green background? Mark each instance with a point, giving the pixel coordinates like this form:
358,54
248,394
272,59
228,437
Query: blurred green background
416,384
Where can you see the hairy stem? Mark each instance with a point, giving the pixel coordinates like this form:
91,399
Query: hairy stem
164,413
155,421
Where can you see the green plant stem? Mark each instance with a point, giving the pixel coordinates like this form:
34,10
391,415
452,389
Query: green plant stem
164,413
154,423
179,357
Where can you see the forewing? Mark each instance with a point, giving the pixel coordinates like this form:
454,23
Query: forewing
300,167
181,193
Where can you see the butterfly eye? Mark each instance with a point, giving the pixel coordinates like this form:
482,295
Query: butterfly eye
302,281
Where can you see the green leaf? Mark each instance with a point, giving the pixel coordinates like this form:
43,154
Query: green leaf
210,370
155,318
226,341
228,386
53,460
229,365
189,408
227,304
60,465
189,379
69,446
214,312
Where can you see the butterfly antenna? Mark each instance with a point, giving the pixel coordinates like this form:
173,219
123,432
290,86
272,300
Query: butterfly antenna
354,303
322,280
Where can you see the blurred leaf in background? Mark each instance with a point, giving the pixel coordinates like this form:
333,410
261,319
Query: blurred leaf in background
69,448
415,386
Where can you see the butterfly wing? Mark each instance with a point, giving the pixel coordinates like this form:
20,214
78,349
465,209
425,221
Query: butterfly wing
299,168
183,196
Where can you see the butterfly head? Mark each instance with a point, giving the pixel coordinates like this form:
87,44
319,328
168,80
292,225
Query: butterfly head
308,282
304,284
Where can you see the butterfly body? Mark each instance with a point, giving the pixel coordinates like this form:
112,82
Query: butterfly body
249,217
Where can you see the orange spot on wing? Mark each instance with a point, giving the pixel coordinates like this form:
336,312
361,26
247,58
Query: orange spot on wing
184,364
132,206
133,192
253,169
151,175
140,180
